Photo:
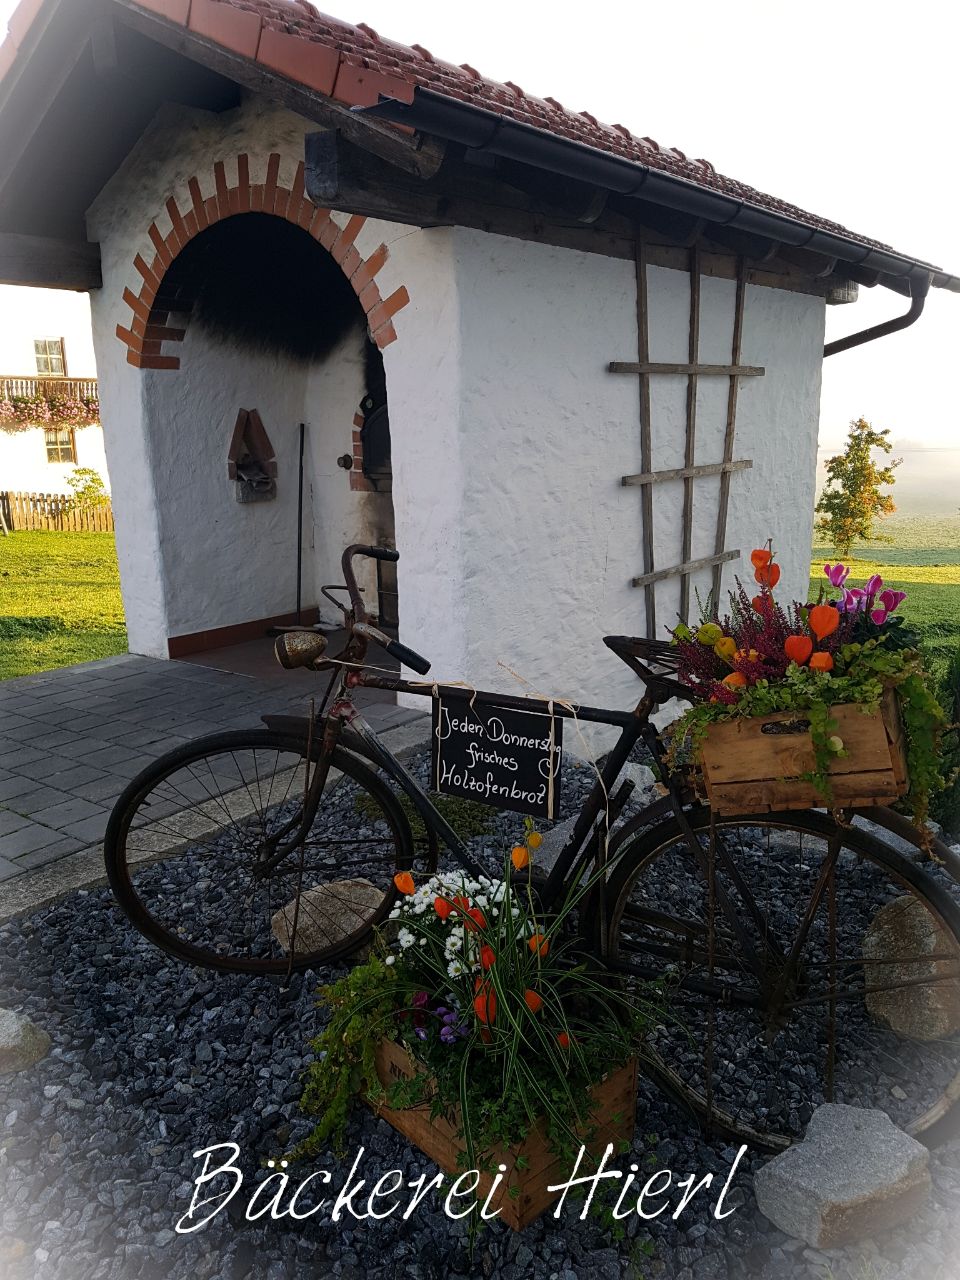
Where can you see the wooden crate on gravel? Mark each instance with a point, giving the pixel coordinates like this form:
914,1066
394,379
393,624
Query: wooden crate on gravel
615,1100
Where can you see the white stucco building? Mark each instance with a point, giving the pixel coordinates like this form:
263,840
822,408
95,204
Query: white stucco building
292,220
46,341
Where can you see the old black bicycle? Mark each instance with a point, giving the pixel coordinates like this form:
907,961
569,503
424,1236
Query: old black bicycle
799,957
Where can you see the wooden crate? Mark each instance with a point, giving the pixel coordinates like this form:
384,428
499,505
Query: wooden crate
615,1114
750,768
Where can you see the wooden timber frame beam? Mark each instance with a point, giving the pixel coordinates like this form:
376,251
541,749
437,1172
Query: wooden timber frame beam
691,471
49,264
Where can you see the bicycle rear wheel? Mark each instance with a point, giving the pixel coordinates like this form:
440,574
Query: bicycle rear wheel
868,1015
189,842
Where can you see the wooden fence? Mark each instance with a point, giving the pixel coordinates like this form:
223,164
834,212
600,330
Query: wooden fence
53,511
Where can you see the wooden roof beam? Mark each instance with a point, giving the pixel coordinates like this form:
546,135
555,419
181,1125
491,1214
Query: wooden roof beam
49,264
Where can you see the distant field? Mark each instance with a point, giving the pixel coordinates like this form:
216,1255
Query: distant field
59,601
923,560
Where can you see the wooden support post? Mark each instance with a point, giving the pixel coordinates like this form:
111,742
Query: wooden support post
730,429
646,438
690,446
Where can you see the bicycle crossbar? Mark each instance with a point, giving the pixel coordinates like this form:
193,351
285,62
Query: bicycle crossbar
563,710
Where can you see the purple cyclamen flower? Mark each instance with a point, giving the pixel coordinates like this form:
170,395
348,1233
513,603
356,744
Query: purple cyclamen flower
420,999
873,584
836,573
854,599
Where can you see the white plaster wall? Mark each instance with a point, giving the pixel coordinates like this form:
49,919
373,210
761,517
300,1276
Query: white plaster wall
538,438
191,557
517,540
24,467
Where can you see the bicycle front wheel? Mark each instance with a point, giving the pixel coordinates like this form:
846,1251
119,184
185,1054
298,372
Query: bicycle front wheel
801,962
191,854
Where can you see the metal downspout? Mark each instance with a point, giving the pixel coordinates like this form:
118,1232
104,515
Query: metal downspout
919,288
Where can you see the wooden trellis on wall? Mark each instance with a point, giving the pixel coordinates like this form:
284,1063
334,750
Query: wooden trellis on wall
691,471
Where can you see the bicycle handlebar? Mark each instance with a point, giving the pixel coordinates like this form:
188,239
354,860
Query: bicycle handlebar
409,657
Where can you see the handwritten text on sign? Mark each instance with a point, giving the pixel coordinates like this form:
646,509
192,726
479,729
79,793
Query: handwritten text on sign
498,756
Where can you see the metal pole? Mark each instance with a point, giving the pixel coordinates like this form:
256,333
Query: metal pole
303,431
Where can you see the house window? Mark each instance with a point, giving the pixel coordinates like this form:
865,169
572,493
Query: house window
61,444
51,360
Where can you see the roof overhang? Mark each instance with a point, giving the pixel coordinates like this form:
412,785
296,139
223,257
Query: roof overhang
483,131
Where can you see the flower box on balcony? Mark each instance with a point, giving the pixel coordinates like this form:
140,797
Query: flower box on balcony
763,763
532,1166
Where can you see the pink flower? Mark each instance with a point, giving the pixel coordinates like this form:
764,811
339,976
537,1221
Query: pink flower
854,599
873,585
836,573
889,600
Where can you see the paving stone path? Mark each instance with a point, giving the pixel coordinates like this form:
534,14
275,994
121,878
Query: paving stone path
70,740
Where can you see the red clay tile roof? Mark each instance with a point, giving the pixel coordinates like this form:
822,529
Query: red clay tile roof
355,65
361,48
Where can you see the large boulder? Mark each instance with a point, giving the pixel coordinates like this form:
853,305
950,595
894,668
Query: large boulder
328,914
22,1044
920,962
854,1174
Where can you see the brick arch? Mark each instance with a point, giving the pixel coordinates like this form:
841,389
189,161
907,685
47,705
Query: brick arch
151,342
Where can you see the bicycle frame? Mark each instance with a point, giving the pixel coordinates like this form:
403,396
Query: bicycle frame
577,852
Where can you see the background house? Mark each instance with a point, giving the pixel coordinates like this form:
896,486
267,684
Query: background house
572,373
46,349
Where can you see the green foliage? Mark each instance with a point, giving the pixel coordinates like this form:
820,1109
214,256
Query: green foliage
89,491
362,1008
60,596
852,497
455,990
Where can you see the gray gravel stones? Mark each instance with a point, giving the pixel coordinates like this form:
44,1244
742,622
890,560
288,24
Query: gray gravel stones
154,1061
853,1176
22,1044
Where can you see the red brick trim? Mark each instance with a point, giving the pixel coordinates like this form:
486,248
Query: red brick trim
148,337
221,637
358,481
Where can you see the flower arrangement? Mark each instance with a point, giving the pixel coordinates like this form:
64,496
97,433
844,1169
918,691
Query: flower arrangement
846,648
17,413
508,1025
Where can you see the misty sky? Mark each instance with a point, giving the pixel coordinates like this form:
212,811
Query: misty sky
844,108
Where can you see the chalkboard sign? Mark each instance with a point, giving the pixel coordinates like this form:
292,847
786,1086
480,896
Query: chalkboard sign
498,756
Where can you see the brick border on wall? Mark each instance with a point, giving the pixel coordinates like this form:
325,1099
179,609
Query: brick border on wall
358,481
149,339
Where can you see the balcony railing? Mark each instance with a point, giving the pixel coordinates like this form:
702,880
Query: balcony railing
74,388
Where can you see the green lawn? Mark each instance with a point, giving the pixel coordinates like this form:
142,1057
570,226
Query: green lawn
923,559
59,601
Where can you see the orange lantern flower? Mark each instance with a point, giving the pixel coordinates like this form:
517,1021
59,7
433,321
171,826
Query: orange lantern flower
475,920
735,680
798,648
761,557
821,662
759,603
485,1005
534,840
404,882
768,575
563,1040
487,956
533,999
520,857
442,907
824,620
539,944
